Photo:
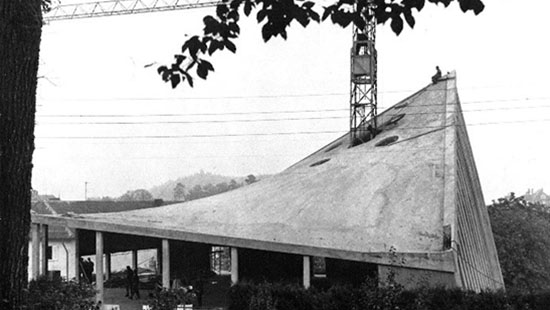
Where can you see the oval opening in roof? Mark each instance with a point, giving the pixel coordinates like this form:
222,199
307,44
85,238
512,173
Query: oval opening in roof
396,118
322,161
332,147
387,141
401,105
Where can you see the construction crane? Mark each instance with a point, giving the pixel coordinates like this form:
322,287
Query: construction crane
363,71
363,81
122,7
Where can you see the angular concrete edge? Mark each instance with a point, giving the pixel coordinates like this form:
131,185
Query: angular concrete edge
440,261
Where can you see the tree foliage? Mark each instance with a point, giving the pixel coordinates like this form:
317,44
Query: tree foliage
136,195
276,16
521,233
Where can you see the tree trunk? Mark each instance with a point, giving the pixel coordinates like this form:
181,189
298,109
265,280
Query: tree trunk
20,30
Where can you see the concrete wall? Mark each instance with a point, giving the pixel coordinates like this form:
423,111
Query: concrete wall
59,257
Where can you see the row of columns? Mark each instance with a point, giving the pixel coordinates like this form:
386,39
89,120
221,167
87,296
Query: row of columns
39,250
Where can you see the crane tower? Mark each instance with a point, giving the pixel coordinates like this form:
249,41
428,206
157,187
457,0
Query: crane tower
363,81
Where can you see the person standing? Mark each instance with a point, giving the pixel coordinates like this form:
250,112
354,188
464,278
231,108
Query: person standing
129,281
135,285
90,269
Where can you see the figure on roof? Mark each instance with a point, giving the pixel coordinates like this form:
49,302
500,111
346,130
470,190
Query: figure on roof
437,75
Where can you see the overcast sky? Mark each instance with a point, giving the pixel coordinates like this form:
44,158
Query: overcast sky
95,67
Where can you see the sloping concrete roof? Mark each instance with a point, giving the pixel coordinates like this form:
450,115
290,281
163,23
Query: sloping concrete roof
351,203
56,207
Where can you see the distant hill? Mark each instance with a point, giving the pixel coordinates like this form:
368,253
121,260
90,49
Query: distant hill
165,191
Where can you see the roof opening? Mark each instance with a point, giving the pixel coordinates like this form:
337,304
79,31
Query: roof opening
387,141
396,118
401,105
332,147
322,161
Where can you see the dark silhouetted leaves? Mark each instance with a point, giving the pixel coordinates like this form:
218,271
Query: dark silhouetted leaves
230,46
397,24
277,15
175,80
179,59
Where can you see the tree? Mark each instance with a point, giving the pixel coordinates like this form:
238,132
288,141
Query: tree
250,179
521,236
20,32
136,195
179,192
276,16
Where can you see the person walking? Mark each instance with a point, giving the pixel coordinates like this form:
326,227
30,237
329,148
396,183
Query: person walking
129,281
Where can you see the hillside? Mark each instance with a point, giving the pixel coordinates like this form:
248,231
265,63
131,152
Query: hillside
165,191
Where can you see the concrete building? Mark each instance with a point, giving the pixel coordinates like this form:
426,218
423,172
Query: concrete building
538,196
408,200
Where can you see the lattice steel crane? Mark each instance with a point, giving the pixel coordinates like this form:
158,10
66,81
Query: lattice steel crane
363,71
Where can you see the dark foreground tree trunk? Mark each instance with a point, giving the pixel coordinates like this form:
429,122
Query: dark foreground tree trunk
20,30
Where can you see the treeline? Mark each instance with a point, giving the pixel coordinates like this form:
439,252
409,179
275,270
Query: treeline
181,193
522,236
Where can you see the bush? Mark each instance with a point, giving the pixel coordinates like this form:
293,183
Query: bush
170,299
57,294
368,297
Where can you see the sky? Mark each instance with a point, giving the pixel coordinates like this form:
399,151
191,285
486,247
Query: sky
105,118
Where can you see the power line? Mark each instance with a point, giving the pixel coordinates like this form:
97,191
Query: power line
299,111
261,119
268,134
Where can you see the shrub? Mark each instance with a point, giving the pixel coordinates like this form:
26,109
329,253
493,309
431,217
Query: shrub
372,297
57,294
169,299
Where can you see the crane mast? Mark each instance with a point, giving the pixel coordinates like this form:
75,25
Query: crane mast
363,81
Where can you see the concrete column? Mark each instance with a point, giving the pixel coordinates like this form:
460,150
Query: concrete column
234,266
99,266
134,259
76,257
107,266
307,271
44,250
165,263
159,260
35,250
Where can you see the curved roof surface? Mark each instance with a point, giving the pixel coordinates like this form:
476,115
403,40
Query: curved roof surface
362,199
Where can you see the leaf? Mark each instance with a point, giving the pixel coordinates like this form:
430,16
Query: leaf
175,80
234,27
397,24
221,11
248,7
202,71
179,59
267,33
234,15
230,46
207,65
161,69
261,15
409,18
189,78
166,75
328,12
